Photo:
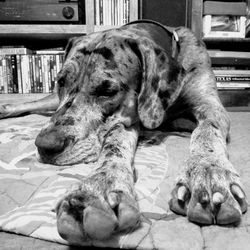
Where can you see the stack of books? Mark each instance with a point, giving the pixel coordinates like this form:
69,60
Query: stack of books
232,78
25,71
111,12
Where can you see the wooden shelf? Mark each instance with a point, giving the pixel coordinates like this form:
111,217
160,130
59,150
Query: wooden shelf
44,31
239,99
56,31
226,40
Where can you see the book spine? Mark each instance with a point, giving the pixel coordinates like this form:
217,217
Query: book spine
32,85
112,12
19,74
97,12
25,74
41,79
52,74
49,73
1,76
101,12
14,51
231,72
232,78
36,74
232,85
5,82
46,73
116,13
33,75
105,8
14,73
9,74
127,11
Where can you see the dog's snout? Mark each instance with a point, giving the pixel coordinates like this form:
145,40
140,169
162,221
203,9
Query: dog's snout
51,142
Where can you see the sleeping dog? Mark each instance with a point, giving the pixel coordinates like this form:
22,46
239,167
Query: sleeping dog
111,84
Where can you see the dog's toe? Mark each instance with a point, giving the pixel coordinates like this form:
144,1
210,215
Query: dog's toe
84,216
180,198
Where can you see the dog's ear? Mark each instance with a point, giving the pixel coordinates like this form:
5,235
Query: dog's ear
159,82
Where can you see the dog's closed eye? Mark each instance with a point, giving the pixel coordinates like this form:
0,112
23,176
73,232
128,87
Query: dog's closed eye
106,89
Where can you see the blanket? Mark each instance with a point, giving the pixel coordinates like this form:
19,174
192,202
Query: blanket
29,189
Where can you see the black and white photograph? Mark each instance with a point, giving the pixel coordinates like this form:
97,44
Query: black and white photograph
124,124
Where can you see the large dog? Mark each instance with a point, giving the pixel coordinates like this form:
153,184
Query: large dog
111,84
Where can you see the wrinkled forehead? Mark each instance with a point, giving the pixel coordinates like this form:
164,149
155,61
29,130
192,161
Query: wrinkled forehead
93,61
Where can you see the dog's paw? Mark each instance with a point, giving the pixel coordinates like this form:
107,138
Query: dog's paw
84,215
209,195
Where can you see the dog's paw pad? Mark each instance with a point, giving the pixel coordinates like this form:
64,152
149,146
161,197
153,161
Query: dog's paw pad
83,215
199,208
213,196
99,223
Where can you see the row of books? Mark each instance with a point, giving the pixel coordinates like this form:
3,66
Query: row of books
235,76
232,78
111,12
27,73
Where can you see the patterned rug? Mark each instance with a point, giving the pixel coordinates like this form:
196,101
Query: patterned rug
31,189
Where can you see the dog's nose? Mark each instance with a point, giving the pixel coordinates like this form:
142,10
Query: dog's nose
51,142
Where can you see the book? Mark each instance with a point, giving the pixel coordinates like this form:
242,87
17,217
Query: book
240,73
15,51
229,54
25,74
19,74
9,74
14,76
29,73
233,85
225,78
232,78
5,83
1,77
111,12
224,8
50,51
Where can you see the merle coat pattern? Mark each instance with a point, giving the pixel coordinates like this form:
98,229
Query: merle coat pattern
111,84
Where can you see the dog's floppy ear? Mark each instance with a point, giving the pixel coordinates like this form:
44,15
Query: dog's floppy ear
159,77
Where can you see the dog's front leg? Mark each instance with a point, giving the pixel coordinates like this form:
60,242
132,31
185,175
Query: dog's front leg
210,190
105,203
48,103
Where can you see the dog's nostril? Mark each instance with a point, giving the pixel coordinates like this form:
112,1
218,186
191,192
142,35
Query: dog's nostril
50,142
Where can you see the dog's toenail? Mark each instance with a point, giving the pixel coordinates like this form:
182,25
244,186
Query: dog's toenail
218,198
204,198
113,199
236,191
181,193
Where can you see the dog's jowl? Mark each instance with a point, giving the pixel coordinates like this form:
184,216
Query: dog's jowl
113,83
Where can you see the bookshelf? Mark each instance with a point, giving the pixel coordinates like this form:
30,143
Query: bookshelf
45,36
232,52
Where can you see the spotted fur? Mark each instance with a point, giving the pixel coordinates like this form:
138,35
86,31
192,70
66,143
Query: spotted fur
111,84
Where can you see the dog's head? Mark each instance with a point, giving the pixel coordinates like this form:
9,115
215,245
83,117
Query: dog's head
106,79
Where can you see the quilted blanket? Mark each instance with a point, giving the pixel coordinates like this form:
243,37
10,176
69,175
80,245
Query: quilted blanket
29,190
